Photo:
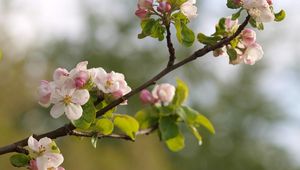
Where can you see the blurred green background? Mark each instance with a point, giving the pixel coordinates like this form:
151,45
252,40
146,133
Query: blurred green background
255,109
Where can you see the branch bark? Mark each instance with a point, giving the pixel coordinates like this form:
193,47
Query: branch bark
68,128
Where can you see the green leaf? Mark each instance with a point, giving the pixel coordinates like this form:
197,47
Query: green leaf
202,38
108,114
158,31
94,141
177,143
146,26
196,134
181,93
104,126
147,117
192,117
258,25
232,5
127,124
280,16
236,15
88,116
168,127
177,3
20,160
232,54
184,34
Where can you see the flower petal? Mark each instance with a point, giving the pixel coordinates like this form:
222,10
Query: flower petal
57,110
49,160
73,111
33,144
80,96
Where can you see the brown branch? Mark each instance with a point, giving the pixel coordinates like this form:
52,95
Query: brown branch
113,136
170,46
68,128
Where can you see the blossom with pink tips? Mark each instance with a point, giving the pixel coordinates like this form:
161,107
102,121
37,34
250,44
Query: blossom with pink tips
68,100
231,25
146,97
253,53
259,10
248,37
164,7
189,9
44,92
49,156
163,93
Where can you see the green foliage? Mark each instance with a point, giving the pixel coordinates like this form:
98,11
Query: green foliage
20,160
147,117
88,116
202,38
185,35
126,124
153,28
181,93
232,5
177,143
237,14
258,25
168,127
177,3
280,16
232,54
94,140
104,126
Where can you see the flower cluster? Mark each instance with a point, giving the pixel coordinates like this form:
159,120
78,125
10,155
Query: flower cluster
69,90
161,94
146,8
260,10
48,156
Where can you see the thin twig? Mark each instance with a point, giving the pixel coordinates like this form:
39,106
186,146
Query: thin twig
68,128
170,46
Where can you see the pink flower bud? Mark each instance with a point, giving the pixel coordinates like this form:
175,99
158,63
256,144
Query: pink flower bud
59,73
33,165
44,92
60,168
141,13
164,93
230,24
270,2
248,37
145,4
237,2
164,7
146,97
81,79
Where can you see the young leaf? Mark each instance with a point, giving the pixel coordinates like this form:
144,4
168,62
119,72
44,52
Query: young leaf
177,143
202,38
232,54
146,26
127,124
94,141
168,127
202,120
20,160
196,134
147,117
88,116
236,15
280,16
184,35
104,126
232,5
181,93
177,3
158,31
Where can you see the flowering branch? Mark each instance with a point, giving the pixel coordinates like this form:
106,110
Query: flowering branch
68,128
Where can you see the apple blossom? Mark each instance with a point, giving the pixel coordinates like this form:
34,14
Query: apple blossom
189,9
68,100
146,97
248,37
231,25
253,53
141,13
44,92
164,7
259,10
80,74
164,93
48,155
145,4
112,83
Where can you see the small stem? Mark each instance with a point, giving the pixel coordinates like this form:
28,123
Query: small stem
170,46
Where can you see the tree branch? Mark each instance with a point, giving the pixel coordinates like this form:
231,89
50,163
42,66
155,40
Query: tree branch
113,136
171,49
68,128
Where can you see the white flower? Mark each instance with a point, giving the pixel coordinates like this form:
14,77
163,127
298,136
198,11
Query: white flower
112,82
164,93
68,100
49,156
189,9
259,10
80,74
253,53
44,92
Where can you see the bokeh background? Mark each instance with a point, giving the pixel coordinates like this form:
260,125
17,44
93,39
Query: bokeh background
255,109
